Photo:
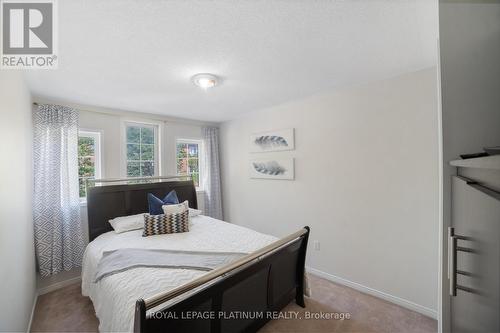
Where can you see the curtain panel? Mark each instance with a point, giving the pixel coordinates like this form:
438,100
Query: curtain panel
59,243
211,176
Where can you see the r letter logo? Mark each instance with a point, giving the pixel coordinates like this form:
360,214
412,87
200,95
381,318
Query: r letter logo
28,34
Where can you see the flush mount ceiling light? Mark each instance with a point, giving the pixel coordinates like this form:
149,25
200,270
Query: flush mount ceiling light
205,80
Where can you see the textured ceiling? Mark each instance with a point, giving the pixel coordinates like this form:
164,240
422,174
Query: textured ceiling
140,55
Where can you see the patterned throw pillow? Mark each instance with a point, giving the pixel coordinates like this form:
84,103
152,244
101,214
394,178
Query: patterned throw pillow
166,223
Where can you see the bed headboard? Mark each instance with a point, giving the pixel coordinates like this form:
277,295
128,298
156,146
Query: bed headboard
110,201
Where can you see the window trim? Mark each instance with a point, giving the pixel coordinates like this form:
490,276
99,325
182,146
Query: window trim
98,168
201,161
157,145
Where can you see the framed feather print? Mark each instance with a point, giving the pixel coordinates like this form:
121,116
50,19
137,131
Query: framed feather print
272,141
272,168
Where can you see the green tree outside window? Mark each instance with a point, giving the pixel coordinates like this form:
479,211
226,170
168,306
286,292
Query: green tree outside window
188,160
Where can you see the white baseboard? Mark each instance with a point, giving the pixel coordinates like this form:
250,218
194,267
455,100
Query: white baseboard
380,294
32,311
58,285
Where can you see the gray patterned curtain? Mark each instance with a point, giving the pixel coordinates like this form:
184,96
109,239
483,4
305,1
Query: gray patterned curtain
211,176
59,241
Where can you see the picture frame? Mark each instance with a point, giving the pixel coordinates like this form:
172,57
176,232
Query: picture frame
272,168
271,141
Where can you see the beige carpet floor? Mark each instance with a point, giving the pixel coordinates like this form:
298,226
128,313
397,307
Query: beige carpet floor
66,310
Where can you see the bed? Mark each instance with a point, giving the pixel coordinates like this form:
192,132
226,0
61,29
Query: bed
149,299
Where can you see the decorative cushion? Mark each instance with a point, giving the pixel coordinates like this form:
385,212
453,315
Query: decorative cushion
156,203
175,208
166,223
170,209
194,212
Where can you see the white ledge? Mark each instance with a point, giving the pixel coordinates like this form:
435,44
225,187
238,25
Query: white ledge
487,162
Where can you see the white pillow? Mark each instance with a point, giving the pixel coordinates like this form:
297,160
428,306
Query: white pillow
194,212
127,223
175,208
179,208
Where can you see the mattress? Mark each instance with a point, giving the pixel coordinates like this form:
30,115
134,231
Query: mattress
114,296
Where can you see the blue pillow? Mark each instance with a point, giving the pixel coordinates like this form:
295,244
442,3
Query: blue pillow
156,203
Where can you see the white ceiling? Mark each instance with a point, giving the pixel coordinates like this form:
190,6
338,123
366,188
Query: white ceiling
140,55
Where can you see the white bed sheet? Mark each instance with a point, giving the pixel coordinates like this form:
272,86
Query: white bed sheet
114,296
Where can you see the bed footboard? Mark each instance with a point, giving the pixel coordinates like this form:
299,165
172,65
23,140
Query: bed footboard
240,297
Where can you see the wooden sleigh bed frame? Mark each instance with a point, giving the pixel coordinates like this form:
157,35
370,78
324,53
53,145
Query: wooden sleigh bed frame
239,297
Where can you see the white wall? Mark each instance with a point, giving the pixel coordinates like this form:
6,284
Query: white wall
17,255
109,123
366,163
470,89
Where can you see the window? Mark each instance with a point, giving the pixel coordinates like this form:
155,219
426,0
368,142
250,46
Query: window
89,159
141,150
188,159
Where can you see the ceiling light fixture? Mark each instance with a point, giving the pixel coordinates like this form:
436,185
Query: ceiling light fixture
205,80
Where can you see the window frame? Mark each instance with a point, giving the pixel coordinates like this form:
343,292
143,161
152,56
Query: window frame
97,137
157,145
201,162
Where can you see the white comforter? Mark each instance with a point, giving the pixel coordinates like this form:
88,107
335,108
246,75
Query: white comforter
114,296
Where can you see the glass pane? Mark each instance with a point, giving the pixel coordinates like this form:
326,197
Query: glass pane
193,150
85,146
81,185
133,134
147,135
133,152
147,152
196,179
86,167
181,150
133,169
182,166
193,165
147,169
